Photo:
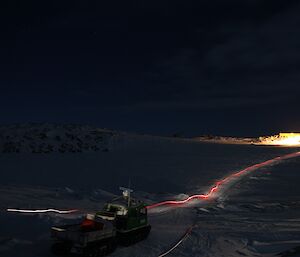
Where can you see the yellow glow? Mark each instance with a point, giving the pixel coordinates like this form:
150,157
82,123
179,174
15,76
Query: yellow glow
284,139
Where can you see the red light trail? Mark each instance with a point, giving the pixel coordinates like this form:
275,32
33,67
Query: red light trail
216,187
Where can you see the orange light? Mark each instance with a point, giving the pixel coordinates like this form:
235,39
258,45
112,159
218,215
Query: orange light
283,139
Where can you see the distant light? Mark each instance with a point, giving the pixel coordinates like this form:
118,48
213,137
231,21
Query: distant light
283,139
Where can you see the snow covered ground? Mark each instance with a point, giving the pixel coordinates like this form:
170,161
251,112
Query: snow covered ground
259,216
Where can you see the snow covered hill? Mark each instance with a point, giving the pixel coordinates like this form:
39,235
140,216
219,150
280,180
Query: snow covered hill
49,138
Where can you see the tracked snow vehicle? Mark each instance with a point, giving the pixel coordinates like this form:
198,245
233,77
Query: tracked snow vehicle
122,221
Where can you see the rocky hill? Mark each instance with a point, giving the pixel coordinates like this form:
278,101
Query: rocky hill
49,138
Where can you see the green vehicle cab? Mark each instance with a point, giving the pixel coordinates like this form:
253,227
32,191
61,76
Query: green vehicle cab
129,217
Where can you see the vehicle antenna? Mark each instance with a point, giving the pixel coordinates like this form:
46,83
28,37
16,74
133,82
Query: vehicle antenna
129,192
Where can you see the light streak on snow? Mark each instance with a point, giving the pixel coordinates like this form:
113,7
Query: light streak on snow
231,178
43,211
186,234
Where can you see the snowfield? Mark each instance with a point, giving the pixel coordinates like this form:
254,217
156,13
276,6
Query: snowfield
257,216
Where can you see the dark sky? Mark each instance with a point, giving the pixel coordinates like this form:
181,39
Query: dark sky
193,67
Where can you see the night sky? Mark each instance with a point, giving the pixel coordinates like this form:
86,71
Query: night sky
159,67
